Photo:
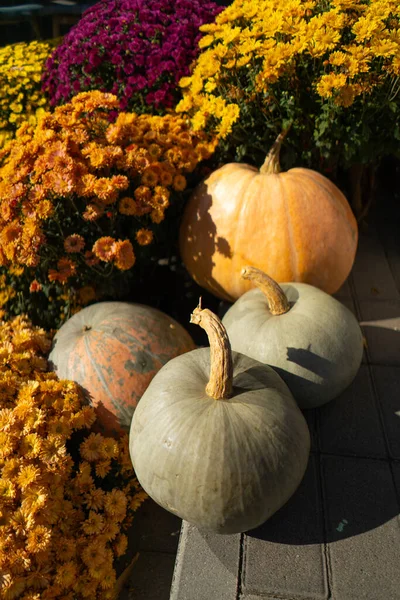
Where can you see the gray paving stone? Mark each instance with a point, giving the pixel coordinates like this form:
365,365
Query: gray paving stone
252,597
349,303
150,578
389,238
285,558
310,416
345,290
156,529
350,424
387,382
371,274
362,527
380,322
353,307
207,566
396,472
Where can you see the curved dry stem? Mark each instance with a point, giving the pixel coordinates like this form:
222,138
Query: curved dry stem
271,163
277,302
219,385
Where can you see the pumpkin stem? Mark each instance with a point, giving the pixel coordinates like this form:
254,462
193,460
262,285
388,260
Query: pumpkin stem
219,386
277,302
271,163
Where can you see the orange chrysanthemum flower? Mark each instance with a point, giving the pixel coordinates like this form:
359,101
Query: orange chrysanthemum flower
74,243
179,183
154,151
110,531
157,216
108,579
150,177
120,545
93,212
94,554
127,206
104,248
91,448
8,490
66,548
142,193
84,474
160,201
66,268
110,448
96,572
44,209
28,474
144,237
38,539
53,447
11,467
94,499
12,587
31,444
91,259
88,415
141,162
60,426
124,255
115,504
84,170
102,468
94,523
66,574
166,177
55,531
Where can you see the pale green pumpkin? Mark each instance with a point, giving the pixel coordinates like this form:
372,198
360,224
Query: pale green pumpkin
312,340
217,437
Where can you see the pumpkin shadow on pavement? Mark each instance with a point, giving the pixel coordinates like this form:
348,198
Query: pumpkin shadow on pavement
358,496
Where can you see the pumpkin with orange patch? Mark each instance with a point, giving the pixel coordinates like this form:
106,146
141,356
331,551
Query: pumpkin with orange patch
113,350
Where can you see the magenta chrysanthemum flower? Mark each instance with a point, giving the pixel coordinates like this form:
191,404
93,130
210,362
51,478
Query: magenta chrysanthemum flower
136,49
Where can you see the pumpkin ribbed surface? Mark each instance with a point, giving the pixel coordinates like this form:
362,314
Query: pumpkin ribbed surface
316,347
294,225
113,350
223,465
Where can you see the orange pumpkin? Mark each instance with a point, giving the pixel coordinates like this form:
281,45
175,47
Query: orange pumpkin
113,350
295,226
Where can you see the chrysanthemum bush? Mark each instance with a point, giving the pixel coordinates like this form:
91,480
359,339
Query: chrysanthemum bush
83,202
21,96
329,67
135,49
67,495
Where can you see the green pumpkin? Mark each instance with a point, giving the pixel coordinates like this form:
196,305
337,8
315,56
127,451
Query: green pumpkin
312,340
217,437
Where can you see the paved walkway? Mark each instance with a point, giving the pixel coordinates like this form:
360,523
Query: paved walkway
338,538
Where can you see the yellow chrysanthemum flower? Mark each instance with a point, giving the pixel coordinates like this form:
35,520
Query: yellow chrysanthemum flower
21,98
261,43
